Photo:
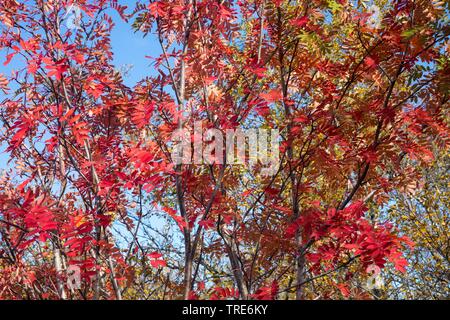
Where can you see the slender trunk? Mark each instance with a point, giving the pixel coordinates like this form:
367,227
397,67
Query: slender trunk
188,254
300,273
113,280
261,31
300,260
237,271
188,261
58,257
59,271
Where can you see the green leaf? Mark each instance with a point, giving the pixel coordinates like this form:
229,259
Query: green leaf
408,33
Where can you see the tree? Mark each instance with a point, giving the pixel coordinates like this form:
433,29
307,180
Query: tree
353,94
63,134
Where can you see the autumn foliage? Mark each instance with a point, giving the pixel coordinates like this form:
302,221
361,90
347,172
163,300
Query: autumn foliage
358,90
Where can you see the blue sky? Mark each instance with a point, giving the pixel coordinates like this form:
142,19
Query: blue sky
130,48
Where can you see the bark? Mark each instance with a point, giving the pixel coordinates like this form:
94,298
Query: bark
237,271
59,272
113,280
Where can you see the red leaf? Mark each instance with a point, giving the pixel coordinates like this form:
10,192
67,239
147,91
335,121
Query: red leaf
301,119
263,110
344,289
178,219
24,184
154,255
267,293
80,132
57,68
4,84
8,58
142,114
399,262
277,3
207,224
156,261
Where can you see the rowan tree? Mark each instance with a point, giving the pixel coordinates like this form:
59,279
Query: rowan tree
422,214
